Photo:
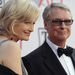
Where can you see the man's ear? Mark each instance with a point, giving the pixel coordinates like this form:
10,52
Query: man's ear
45,24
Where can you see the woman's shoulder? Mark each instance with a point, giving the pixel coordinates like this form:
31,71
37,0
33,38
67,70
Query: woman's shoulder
10,55
7,42
9,45
9,49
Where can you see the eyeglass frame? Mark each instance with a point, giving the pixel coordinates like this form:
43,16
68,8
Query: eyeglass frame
59,21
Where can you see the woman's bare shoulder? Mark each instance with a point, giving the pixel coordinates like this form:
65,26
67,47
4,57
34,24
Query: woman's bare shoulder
9,48
9,45
10,56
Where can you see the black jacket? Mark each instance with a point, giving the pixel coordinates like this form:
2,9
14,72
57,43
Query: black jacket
43,61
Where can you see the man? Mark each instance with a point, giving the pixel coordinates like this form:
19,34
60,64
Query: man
48,58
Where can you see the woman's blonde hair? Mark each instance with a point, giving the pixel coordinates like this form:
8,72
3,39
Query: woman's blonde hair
14,11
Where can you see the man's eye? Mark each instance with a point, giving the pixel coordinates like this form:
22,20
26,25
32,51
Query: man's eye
55,21
67,20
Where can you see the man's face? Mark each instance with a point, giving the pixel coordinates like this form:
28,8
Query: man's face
58,32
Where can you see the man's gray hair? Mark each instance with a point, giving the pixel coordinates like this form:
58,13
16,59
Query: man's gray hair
48,9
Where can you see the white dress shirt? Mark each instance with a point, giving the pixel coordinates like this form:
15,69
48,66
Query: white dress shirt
65,61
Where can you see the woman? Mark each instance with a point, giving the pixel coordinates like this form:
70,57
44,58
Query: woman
17,19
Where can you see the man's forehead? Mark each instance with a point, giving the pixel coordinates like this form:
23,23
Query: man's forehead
60,13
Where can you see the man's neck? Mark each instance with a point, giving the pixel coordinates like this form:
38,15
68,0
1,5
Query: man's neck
59,43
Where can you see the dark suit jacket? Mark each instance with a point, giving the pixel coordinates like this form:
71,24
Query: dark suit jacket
43,61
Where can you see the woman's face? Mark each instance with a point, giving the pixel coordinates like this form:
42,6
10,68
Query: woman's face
24,29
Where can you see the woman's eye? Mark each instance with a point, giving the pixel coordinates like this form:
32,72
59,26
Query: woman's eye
27,22
33,22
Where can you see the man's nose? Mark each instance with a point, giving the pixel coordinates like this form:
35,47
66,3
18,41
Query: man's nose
62,25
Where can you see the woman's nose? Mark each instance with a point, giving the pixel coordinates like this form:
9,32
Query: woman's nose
31,28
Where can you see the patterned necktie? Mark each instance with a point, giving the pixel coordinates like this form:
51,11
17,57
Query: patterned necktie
68,51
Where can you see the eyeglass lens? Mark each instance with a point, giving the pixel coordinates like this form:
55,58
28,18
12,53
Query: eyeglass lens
59,22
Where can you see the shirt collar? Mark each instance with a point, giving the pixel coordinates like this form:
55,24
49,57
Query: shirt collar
53,46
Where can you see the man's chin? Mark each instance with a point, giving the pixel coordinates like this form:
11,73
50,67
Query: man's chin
62,39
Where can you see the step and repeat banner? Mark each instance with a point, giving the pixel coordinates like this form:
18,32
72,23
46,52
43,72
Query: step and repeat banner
38,36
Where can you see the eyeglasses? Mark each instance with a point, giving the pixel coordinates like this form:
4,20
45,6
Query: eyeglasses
58,22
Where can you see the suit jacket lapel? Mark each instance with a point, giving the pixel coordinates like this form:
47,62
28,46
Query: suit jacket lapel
51,61
73,57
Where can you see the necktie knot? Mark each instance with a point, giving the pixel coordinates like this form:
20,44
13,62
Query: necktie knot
68,51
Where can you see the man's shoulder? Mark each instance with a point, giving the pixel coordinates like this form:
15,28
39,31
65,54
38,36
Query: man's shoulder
35,53
34,56
71,47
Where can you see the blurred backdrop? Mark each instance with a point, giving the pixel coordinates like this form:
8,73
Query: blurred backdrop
38,36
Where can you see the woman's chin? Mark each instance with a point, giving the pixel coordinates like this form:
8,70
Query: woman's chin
26,39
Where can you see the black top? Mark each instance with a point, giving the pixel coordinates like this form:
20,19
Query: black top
6,71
